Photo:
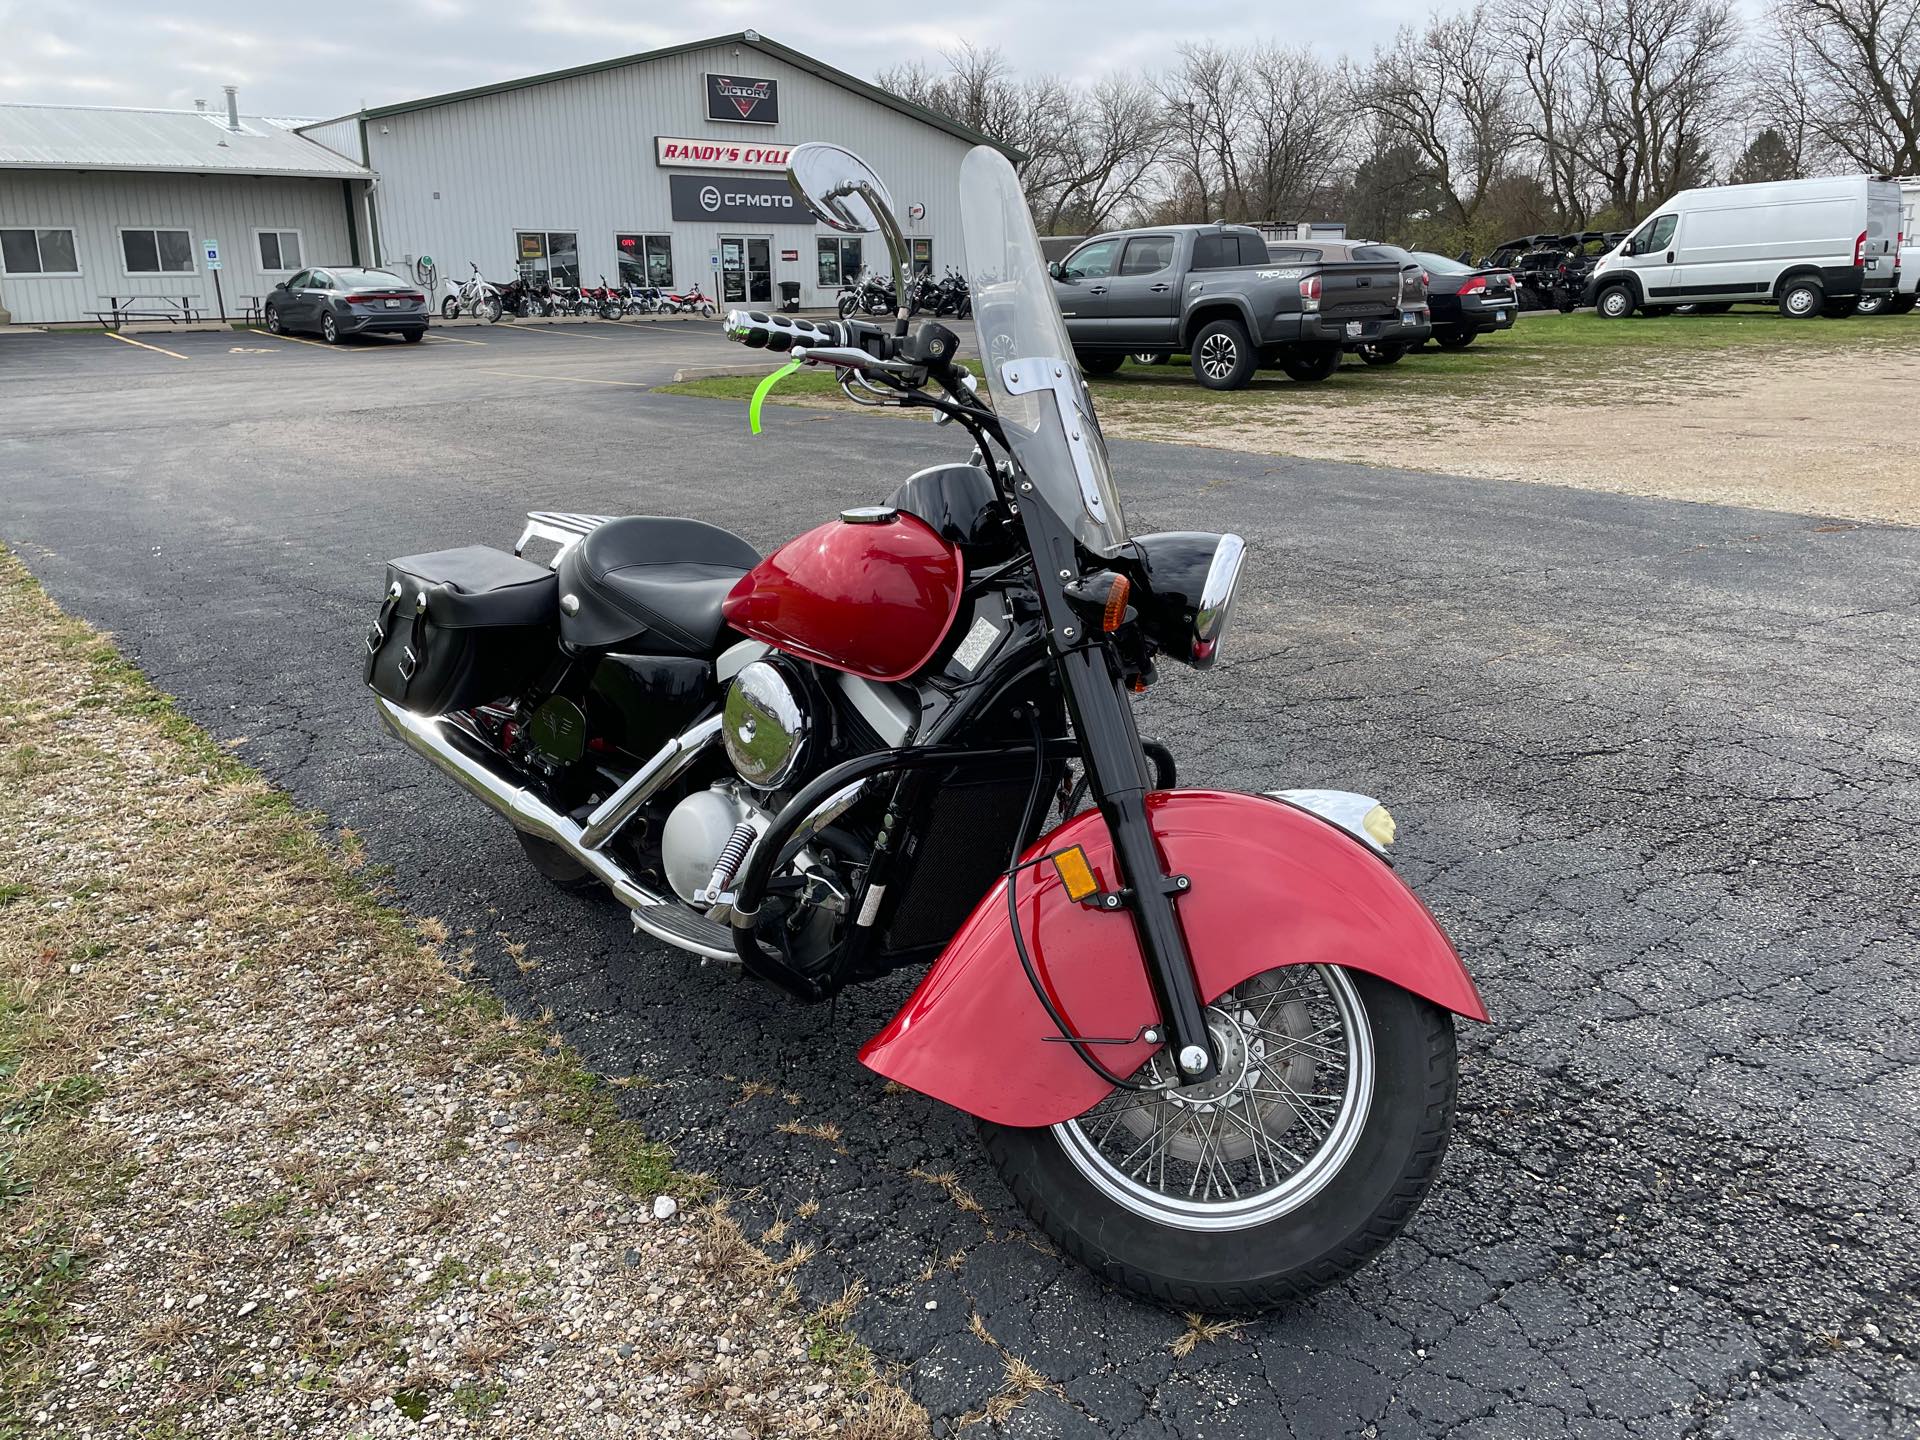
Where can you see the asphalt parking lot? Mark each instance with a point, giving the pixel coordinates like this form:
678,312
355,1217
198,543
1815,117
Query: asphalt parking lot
1655,766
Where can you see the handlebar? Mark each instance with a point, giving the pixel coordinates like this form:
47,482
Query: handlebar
758,330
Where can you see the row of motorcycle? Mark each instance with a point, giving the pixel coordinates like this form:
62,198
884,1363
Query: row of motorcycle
872,294
532,299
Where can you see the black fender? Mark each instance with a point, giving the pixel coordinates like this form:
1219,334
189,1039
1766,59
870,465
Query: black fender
1208,309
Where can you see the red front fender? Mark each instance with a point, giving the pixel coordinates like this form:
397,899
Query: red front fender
1272,885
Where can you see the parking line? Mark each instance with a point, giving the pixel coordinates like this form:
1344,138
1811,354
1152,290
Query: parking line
296,340
124,340
451,340
556,334
575,379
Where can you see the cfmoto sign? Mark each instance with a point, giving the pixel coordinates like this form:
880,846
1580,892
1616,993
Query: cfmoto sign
765,198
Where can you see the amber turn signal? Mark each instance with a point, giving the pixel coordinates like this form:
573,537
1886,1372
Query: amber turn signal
1076,873
1115,610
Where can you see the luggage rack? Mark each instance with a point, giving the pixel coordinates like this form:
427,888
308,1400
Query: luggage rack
562,527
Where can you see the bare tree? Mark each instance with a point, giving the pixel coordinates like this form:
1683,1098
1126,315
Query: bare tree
1857,65
1659,89
1558,108
1449,95
1249,133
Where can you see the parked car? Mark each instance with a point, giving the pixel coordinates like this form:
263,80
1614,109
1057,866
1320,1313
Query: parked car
1807,246
336,303
1467,301
1214,292
1906,271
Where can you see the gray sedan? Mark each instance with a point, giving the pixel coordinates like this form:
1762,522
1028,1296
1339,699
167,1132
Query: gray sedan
347,301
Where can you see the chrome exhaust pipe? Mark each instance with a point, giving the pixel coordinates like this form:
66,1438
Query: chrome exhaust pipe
526,811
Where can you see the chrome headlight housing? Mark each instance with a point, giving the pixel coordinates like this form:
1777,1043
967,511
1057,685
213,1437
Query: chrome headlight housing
1186,586
764,725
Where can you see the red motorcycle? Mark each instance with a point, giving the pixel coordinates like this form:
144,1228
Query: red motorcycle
1208,1036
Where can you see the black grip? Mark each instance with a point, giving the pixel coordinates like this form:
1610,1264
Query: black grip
758,330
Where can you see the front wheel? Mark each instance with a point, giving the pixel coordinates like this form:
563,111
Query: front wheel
491,310
1096,362
1310,364
1614,303
1454,339
1287,1172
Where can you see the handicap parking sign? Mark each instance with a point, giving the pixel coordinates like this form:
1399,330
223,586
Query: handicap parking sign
213,254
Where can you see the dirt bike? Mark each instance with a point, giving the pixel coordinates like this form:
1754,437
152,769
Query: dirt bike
1208,1037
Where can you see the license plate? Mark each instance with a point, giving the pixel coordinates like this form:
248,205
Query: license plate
1354,327
1499,314
393,304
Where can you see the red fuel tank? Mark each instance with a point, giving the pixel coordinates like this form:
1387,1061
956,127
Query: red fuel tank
873,594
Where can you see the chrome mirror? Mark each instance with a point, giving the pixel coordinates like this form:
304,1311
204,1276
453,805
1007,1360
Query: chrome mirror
843,192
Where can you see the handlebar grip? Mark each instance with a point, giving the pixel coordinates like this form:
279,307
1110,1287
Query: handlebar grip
758,330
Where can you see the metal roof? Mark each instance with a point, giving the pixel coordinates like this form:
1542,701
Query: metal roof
91,137
748,38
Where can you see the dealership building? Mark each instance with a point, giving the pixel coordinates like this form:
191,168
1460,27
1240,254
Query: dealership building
665,168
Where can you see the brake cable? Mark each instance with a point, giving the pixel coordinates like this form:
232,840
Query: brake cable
1014,866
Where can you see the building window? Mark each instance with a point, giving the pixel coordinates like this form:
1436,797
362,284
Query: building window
279,249
839,260
645,260
38,252
157,252
549,255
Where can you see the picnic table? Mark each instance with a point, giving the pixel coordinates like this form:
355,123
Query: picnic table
122,308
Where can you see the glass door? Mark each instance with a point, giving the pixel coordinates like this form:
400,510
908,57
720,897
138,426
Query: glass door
733,269
760,269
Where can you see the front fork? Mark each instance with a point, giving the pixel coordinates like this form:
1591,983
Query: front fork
1117,779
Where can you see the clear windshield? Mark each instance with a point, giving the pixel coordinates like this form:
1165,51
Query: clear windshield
1037,388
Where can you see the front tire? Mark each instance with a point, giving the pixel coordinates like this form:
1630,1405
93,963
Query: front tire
1310,364
1098,362
1223,358
273,321
1218,1218
1455,339
1614,303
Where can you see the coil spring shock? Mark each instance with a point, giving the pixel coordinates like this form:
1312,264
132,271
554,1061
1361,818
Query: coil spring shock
731,854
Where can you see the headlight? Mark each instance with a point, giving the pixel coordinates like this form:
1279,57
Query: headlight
1184,593
763,726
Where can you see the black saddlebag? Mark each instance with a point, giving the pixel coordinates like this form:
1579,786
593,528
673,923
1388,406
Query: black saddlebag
461,627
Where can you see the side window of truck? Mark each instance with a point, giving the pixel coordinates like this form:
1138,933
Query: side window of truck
1091,262
1147,255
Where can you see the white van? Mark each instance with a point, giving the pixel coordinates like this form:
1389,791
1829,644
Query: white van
1810,247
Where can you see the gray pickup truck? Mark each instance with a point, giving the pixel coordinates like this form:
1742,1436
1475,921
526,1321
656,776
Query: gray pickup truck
1214,292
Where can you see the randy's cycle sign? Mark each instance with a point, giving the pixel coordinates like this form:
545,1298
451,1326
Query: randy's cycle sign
767,199
743,98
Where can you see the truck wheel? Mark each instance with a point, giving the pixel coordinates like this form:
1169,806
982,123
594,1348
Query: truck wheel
1902,304
1614,303
1222,357
1388,354
1150,357
1098,364
1802,298
1311,363
1870,305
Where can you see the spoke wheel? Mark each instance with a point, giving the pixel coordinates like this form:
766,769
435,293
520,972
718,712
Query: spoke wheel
1260,1139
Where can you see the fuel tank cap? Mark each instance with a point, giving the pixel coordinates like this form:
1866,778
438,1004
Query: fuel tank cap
869,515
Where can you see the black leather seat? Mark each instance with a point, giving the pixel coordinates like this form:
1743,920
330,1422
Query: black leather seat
654,581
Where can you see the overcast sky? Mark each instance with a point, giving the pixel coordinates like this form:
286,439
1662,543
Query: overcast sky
323,60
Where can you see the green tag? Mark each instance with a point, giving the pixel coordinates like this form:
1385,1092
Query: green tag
760,393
